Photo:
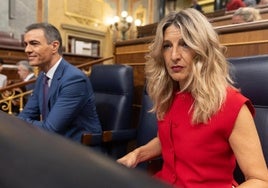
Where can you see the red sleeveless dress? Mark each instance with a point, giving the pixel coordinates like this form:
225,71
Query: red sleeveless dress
199,156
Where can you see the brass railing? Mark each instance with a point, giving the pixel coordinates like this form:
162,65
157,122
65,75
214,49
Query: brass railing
13,97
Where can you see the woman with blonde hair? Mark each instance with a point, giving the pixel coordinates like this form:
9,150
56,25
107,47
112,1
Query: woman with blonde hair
204,123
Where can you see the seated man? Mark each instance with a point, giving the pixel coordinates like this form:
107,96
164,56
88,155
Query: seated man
26,73
63,95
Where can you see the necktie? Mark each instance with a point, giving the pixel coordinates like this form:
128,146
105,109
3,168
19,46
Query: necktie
45,96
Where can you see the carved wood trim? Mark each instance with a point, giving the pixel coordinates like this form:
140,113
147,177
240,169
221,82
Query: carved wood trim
142,40
228,14
39,11
133,52
245,43
250,26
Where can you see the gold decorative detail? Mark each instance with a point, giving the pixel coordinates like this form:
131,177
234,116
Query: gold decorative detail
245,43
140,14
87,71
85,11
13,99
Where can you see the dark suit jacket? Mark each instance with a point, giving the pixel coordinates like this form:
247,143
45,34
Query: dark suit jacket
30,86
71,105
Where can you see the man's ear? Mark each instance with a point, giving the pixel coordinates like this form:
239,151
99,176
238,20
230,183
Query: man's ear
55,46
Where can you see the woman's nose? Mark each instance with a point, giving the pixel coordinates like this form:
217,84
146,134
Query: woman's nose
176,53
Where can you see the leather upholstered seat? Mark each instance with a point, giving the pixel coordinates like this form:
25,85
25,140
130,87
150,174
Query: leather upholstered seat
113,88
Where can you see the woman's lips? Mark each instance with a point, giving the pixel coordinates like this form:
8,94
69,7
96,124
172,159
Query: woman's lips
177,68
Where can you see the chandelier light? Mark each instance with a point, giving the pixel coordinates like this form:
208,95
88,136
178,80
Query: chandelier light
123,23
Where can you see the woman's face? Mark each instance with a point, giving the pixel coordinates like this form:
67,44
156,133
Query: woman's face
177,55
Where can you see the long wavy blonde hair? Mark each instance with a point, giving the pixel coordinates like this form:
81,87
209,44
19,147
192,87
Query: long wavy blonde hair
210,73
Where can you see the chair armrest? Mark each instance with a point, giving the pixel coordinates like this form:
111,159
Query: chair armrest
151,166
91,139
119,135
154,165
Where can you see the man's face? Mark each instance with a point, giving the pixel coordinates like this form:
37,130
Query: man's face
22,72
38,50
237,19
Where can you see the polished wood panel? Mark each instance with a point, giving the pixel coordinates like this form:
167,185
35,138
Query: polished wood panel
244,39
133,52
11,55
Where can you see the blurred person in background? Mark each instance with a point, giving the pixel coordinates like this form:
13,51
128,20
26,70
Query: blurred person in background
246,14
234,4
26,73
3,78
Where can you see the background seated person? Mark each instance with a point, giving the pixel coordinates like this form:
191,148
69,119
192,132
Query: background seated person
246,14
234,4
26,73
196,6
3,78
250,3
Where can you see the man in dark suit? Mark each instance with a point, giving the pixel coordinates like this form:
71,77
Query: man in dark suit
68,108
196,6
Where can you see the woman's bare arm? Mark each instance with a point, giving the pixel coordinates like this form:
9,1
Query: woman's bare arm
246,145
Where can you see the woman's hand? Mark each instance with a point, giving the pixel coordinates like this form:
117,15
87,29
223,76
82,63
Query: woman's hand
130,160
143,153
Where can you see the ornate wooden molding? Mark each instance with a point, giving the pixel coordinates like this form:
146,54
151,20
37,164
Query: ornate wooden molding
250,26
82,30
85,11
